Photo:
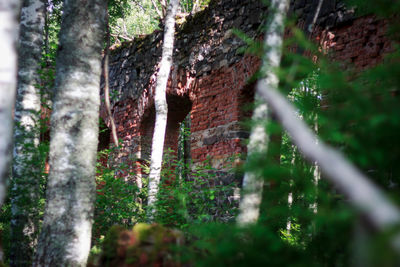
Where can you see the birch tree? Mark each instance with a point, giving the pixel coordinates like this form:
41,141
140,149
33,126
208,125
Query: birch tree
26,165
9,10
258,142
161,107
66,231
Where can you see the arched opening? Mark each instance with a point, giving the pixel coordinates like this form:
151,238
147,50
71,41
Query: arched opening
104,136
178,109
104,142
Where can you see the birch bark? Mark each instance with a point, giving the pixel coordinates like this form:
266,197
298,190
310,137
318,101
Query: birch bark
9,11
26,166
161,107
249,208
66,231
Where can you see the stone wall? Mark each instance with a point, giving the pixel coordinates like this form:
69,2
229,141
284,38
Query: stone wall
210,76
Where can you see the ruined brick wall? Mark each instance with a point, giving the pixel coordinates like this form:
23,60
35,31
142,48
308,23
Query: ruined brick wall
209,78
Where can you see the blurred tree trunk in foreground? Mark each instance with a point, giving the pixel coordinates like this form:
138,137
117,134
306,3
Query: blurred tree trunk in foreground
249,209
9,11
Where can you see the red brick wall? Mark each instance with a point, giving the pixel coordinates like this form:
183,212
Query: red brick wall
361,43
217,98
218,109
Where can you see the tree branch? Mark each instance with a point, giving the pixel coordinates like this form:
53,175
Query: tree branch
157,9
107,88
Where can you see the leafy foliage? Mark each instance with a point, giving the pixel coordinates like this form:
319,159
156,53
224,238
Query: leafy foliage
117,199
198,198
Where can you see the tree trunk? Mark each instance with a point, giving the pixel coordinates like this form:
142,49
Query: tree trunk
107,85
252,184
161,107
249,208
66,231
9,11
26,166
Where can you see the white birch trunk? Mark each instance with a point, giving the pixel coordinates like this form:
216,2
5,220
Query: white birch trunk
9,11
252,184
161,107
249,208
290,195
26,165
66,230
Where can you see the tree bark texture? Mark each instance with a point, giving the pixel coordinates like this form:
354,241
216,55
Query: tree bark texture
9,11
66,231
161,107
258,143
26,166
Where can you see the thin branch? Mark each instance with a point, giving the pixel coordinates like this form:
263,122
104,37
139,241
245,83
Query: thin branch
164,5
122,36
139,5
157,9
311,26
107,88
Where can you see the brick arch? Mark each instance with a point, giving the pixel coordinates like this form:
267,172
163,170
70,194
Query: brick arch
179,107
104,135
246,101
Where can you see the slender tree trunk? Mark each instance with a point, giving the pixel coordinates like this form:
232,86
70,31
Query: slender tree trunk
160,103
26,166
107,86
249,208
164,5
252,184
160,14
316,171
9,11
66,230
290,194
